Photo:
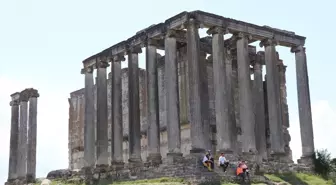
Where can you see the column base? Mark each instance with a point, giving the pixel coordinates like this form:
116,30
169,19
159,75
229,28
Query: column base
228,154
173,158
249,156
308,160
117,165
279,157
154,159
101,168
197,151
30,178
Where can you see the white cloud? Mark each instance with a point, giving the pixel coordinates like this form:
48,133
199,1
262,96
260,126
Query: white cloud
324,116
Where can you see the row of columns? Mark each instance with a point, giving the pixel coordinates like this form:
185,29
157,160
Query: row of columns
253,140
22,154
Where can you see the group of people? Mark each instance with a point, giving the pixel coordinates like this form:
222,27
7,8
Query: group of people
208,162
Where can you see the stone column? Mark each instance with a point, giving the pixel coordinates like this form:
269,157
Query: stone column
102,123
14,136
230,86
235,89
195,91
305,115
134,135
117,122
259,108
23,148
172,97
153,132
247,119
284,109
273,96
32,134
89,124
223,121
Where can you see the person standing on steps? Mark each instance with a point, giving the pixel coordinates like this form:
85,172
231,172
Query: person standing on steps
222,162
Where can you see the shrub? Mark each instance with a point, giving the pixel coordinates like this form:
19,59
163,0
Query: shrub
323,163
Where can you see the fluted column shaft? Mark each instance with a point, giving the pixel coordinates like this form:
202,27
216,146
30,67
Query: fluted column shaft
195,91
153,132
305,116
23,138
32,134
14,138
117,124
223,121
247,119
134,136
89,124
102,116
259,107
172,97
273,96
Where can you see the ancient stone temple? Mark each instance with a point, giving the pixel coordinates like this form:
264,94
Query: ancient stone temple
202,94
22,153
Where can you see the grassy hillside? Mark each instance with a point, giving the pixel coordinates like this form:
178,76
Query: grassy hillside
280,179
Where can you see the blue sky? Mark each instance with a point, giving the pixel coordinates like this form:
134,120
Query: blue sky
42,44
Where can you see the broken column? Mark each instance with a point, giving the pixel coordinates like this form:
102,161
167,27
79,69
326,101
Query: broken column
32,134
305,115
14,138
172,97
153,132
102,123
273,96
259,108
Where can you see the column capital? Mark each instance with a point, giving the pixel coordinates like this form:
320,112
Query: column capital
282,67
170,34
24,95
134,50
217,30
88,69
33,93
15,96
101,62
117,58
296,49
268,42
152,42
241,35
14,103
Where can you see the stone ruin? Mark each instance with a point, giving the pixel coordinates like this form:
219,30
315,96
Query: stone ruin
22,153
204,93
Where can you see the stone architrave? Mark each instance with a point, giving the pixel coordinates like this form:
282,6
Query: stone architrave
134,134
259,108
247,119
14,137
32,135
223,119
305,115
273,96
196,105
23,138
172,96
117,124
153,132
102,116
89,123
